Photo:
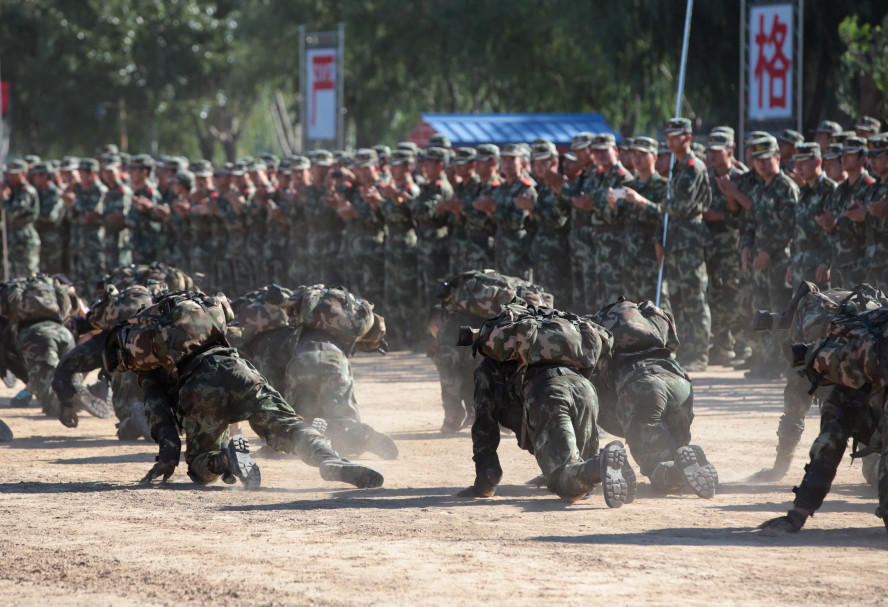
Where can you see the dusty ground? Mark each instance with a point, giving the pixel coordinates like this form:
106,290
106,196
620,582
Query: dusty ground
79,531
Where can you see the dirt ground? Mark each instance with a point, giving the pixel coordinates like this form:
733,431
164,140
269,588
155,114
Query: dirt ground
78,530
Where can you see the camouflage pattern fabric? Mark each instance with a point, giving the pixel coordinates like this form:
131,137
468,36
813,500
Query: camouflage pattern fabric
483,294
401,266
479,227
52,229
638,327
684,272
876,260
810,247
582,244
364,243
145,228
849,237
22,210
234,272
851,354
10,358
295,260
638,264
513,229
432,232
335,311
324,238
118,248
270,351
551,243
277,237
38,297
178,230
145,274
41,345
255,221
217,388
259,311
456,368
87,248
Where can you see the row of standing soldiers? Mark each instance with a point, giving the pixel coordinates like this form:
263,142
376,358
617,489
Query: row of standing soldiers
587,225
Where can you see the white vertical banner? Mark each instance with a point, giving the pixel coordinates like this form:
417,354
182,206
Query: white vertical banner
321,109
771,68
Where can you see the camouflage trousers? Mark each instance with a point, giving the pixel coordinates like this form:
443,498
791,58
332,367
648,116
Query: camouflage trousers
41,345
604,284
10,357
320,384
561,408
478,253
582,255
323,262
218,388
804,268
88,268
458,246
728,316
52,252
512,255
770,293
847,413
432,258
118,256
24,258
402,324
456,370
367,273
655,408
552,266
270,351
686,280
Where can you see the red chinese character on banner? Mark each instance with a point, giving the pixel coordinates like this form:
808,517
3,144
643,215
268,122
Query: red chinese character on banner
323,81
776,68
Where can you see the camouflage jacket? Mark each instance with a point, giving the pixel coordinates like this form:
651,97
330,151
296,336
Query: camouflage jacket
178,228
398,220
368,226
320,217
277,226
477,224
601,216
118,199
641,221
510,220
431,225
204,230
144,226
725,233
579,218
810,246
293,205
552,211
689,196
255,218
88,237
849,237
232,221
52,211
877,227
22,210
771,220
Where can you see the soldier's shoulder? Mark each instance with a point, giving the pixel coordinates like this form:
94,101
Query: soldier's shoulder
785,182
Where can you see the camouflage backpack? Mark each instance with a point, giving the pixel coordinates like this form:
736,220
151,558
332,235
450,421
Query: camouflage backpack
815,310
36,298
259,311
529,335
336,311
484,293
127,276
638,327
853,353
175,327
116,306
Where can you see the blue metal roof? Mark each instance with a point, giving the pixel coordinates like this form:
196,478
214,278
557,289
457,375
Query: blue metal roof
472,129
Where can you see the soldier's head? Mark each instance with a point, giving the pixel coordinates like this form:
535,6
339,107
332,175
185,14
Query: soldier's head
68,171
487,160
203,175
222,176
570,166
283,174
239,178
433,164
511,157
832,163
787,140
644,155
41,175
440,140
678,136
272,163
16,173
766,157
183,183
867,126
300,171
604,150
750,137
464,162
401,162
366,166
877,152
625,154
87,170
140,169
825,130
543,159
110,173
664,158
580,146
807,161
853,154
321,161
720,151
384,154
258,173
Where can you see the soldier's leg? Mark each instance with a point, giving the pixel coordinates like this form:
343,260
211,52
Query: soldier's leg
450,370
882,473
687,290
129,406
41,346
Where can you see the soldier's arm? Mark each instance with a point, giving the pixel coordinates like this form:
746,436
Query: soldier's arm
56,208
780,232
23,209
690,194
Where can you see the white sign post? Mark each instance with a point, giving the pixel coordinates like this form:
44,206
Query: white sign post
322,87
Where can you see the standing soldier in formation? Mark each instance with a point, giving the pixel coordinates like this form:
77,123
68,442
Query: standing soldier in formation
431,225
145,227
602,282
296,266
118,204
811,249
582,245
87,247
178,224
479,227
50,224
400,251
877,212
325,235
684,272
22,205
551,214
465,187
207,237
255,219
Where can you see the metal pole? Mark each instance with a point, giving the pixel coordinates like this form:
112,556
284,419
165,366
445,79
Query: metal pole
303,112
681,83
340,87
799,63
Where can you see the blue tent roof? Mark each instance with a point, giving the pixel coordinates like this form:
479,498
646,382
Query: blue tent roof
472,129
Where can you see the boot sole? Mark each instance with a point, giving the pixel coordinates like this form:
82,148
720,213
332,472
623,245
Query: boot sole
241,464
614,483
699,474
361,477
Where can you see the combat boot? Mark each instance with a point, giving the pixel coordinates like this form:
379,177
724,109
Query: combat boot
234,462
22,399
699,474
617,485
336,468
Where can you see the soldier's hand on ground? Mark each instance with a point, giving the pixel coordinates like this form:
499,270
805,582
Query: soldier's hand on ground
68,415
761,261
160,469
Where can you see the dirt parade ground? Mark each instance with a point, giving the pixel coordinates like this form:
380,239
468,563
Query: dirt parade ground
78,530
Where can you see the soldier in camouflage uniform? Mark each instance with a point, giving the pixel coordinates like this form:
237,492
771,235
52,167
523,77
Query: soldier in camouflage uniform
601,273
479,227
684,269
811,250
877,212
325,235
256,222
786,142
235,269
400,251
551,214
431,225
552,410
466,183
202,386
118,204
582,243
51,223
296,197
87,247
639,212
178,220
824,132
145,226
22,205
